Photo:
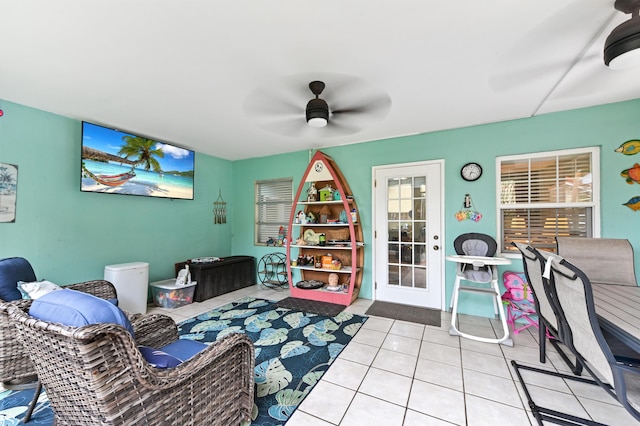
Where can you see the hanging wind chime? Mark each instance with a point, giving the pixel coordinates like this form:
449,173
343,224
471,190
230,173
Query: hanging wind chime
468,211
219,210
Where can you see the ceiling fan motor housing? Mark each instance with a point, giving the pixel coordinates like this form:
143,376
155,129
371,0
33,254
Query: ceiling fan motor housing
625,38
317,108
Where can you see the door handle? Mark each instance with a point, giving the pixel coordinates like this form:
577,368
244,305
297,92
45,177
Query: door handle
436,248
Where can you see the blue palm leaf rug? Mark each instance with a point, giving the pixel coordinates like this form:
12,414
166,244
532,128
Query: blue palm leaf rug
293,350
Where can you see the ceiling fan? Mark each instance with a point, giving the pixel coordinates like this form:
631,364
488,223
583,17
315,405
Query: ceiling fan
317,109
342,106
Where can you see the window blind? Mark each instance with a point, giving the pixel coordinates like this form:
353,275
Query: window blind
273,199
546,195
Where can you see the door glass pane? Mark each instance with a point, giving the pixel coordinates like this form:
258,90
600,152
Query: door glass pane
420,186
394,253
405,187
394,275
394,231
420,231
406,276
393,209
420,277
405,253
419,209
420,255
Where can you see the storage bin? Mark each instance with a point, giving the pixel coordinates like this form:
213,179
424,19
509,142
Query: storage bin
166,294
131,281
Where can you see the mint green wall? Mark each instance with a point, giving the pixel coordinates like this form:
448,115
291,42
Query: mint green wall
69,236
604,126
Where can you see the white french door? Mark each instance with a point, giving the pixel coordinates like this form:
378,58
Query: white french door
408,234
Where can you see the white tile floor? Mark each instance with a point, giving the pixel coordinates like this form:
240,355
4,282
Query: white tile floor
400,373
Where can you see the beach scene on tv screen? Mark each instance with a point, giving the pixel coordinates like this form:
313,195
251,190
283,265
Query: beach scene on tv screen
122,163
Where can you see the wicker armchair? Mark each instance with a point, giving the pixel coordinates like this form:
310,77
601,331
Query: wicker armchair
15,365
95,374
16,369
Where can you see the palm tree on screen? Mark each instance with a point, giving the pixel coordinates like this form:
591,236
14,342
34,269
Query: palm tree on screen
141,151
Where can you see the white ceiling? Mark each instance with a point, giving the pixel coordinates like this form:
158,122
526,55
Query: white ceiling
230,78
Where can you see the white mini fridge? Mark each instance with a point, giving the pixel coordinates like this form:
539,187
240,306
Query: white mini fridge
131,281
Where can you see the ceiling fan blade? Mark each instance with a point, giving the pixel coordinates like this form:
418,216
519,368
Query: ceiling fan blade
376,107
537,55
289,128
337,127
265,101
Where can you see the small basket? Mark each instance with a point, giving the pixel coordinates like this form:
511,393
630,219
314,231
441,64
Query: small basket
337,234
309,284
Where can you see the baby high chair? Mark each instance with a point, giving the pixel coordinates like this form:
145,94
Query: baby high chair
475,263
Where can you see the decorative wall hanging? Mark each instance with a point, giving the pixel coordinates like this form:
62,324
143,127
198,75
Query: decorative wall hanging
632,175
633,203
219,210
468,211
631,147
8,192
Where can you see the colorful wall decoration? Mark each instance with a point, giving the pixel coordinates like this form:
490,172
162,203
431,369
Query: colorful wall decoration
632,174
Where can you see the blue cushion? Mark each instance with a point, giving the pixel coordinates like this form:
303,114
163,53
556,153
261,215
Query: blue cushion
12,270
184,349
158,358
173,354
76,309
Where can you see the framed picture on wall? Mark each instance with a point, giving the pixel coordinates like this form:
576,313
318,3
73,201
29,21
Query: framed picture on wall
8,192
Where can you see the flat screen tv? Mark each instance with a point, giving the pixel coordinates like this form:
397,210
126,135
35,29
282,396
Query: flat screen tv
116,162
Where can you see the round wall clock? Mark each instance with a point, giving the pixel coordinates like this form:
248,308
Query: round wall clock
471,172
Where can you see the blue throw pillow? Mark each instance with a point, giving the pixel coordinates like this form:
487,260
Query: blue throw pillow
76,309
158,358
12,270
184,348
173,354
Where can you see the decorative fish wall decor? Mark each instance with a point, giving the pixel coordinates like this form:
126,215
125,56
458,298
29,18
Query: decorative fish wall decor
633,203
632,175
631,147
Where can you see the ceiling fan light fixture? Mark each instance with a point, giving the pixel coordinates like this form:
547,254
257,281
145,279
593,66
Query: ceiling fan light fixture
317,122
622,47
317,113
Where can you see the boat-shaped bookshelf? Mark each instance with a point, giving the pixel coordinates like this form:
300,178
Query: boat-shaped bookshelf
324,212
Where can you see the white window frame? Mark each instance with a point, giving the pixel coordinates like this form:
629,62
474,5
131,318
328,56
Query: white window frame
594,204
279,208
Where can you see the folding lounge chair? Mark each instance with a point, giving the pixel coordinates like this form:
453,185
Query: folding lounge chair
603,260
619,377
549,323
